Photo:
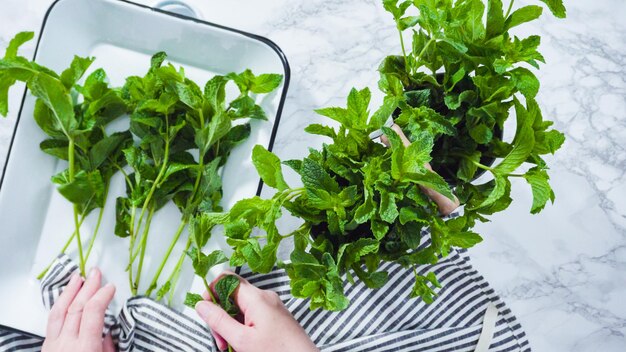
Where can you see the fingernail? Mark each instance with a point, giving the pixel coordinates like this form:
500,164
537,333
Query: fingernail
74,278
92,273
203,308
109,285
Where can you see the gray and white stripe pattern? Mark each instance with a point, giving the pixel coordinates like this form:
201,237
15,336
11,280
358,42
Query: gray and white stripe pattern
377,320
145,325
387,320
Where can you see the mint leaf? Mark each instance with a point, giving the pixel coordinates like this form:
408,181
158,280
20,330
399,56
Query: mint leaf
163,290
215,92
433,181
464,239
225,288
523,15
248,82
55,147
352,253
417,154
202,263
358,102
548,142
16,43
77,69
54,95
423,287
314,177
266,83
157,60
468,166
191,299
523,142
495,18
481,134
542,192
338,114
525,81
84,188
556,7
268,167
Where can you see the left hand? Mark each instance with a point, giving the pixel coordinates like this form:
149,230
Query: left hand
446,205
76,320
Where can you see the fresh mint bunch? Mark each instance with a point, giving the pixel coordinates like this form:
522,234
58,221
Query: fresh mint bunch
461,78
451,92
185,136
361,205
179,138
74,118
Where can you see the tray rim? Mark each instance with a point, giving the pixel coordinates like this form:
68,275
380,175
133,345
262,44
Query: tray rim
264,40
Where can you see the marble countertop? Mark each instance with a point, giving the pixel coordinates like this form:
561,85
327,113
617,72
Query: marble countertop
562,272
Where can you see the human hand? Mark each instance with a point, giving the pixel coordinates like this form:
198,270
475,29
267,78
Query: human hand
267,325
445,204
76,320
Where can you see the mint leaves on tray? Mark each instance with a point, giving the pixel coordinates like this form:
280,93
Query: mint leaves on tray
180,137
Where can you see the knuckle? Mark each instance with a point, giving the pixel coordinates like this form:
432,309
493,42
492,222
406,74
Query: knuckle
55,315
272,297
216,320
75,307
46,346
92,307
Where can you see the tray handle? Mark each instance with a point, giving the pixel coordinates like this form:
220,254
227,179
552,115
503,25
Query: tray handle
178,7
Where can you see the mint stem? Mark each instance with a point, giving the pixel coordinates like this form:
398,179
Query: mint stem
508,12
173,279
406,61
71,156
95,232
133,211
153,284
143,245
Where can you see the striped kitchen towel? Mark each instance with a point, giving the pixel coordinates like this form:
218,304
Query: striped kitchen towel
467,315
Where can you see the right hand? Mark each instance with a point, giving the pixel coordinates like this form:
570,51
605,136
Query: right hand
267,324
446,205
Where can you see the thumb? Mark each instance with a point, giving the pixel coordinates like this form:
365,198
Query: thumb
107,344
221,323
400,133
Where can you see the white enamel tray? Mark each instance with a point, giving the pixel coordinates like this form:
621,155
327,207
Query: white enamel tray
35,220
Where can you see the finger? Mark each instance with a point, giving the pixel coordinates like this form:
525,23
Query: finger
75,311
56,318
400,133
385,141
221,343
223,324
107,344
245,295
219,340
93,314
